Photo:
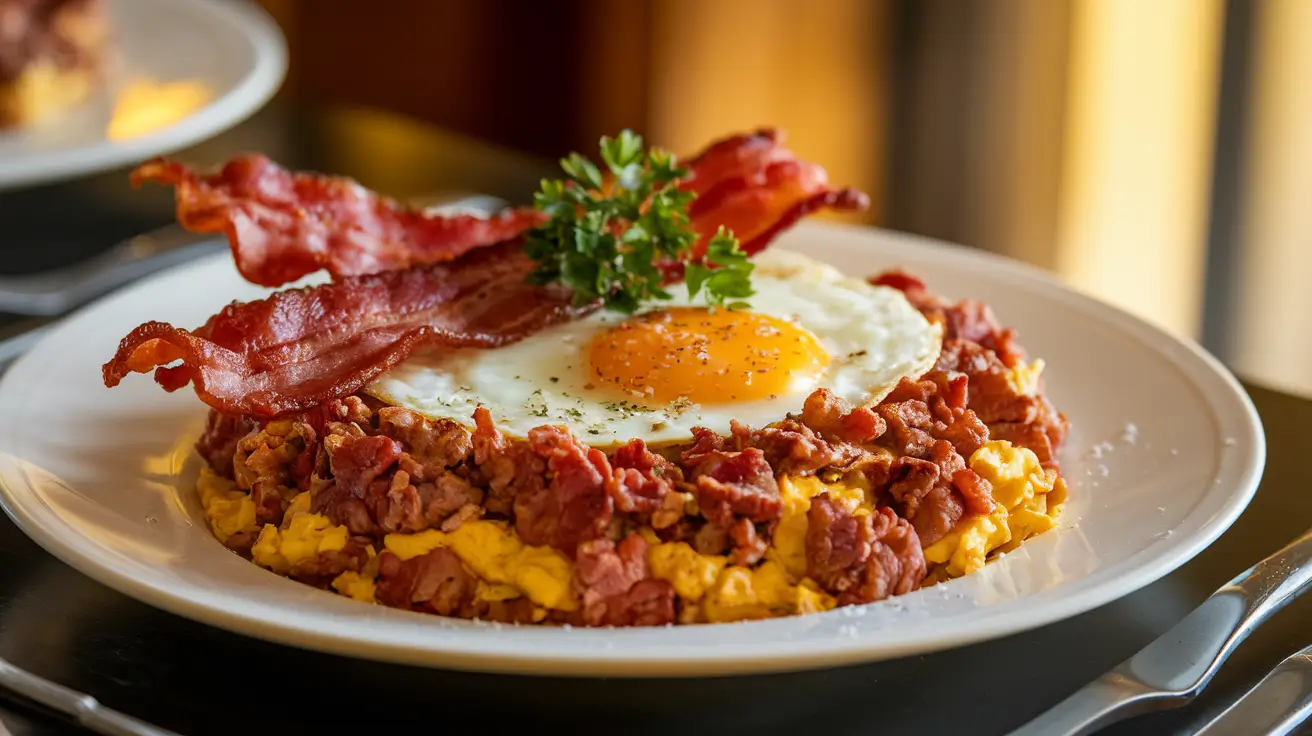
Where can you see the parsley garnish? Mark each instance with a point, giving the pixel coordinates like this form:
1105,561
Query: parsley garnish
605,238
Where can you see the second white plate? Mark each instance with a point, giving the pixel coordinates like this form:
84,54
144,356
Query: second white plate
186,70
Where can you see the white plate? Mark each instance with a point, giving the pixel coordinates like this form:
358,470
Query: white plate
1165,452
185,71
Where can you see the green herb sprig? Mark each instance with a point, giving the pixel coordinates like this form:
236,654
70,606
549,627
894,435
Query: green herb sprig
605,239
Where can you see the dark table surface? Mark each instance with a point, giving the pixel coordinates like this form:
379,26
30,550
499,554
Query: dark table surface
195,679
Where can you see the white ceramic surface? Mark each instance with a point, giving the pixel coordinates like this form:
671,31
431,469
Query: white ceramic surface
1165,452
184,71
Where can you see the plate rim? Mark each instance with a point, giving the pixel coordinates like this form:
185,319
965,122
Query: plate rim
237,104
779,658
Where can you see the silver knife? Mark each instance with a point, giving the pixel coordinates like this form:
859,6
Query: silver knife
1175,667
1277,705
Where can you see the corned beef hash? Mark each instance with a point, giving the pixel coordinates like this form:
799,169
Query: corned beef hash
614,407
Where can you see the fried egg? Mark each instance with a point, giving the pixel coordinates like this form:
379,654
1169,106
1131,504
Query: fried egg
654,375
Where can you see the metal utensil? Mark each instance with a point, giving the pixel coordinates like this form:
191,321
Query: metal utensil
1175,667
59,291
1276,705
85,710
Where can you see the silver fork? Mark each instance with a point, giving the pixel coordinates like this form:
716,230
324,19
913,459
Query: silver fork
1174,668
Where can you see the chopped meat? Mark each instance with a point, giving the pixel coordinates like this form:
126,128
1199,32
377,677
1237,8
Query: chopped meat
218,443
431,447
835,418
573,507
861,559
508,467
435,581
711,539
731,485
925,493
946,396
615,587
642,484
330,564
356,462
908,427
748,547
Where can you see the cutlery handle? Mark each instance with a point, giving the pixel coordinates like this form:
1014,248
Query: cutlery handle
82,708
59,291
1172,670
1276,705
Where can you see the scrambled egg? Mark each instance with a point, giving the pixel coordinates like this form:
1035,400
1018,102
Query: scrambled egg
228,510
359,585
740,593
1024,378
715,591
304,538
493,552
789,548
1028,502
690,572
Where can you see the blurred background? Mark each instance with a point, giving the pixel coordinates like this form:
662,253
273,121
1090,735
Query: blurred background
1155,153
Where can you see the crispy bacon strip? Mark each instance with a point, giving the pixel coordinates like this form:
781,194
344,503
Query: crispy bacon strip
403,279
301,347
283,225
757,188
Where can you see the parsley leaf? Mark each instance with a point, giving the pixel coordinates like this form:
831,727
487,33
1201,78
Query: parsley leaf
729,279
608,230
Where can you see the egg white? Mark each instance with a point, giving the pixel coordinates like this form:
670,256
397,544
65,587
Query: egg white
874,338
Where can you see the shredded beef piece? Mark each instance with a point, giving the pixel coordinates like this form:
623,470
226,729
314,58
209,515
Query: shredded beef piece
357,462
908,423
861,559
360,495
974,321
331,564
350,410
435,581
507,467
793,448
731,485
615,588
446,495
707,442
710,539
431,446
748,547
1026,421
946,397
341,506
395,504
835,418
574,506
926,494
642,484
218,443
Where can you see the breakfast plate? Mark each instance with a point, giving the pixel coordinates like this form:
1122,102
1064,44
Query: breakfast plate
1165,451
180,71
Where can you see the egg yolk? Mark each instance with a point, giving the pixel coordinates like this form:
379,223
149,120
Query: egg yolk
706,357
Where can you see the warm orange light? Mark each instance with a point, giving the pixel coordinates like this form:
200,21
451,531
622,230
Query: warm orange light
145,106
706,357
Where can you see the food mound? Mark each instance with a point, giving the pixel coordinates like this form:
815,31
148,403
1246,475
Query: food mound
52,55
526,418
